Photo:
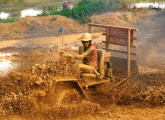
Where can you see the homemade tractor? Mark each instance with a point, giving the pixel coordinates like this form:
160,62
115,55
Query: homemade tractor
86,80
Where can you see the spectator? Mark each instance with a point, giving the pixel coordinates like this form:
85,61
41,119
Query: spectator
65,5
68,5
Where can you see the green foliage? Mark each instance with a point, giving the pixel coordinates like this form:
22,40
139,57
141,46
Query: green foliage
9,20
83,9
150,6
53,7
96,6
63,12
75,13
66,12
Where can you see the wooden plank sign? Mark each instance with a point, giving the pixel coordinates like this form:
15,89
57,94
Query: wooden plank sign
118,37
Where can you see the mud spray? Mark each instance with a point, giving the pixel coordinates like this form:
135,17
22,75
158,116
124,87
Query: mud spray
32,91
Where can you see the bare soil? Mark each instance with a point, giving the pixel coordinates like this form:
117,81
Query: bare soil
29,92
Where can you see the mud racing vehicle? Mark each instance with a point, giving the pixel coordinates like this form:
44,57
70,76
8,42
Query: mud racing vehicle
86,80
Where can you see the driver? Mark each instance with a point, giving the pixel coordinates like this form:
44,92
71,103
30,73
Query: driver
89,56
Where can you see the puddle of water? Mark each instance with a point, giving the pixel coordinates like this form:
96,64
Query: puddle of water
30,12
5,65
4,15
23,13
150,4
5,54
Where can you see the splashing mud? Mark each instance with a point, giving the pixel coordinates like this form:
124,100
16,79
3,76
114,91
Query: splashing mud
32,89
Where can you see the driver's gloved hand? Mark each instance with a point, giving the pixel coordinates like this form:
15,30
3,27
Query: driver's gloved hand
101,76
79,57
75,56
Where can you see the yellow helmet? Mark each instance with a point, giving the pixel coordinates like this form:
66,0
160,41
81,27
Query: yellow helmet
86,37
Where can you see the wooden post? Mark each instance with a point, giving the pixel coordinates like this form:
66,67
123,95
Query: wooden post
128,54
89,29
107,38
132,36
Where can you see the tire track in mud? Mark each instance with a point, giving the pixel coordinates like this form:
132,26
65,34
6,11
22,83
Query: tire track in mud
61,97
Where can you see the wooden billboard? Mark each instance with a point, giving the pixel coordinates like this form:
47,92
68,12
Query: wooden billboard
118,37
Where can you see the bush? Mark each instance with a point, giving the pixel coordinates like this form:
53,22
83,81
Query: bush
96,6
66,12
75,13
83,9
53,7
8,20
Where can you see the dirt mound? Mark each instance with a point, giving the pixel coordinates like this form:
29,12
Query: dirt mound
42,26
39,26
114,18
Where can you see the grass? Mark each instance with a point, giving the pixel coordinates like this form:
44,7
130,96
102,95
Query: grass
8,20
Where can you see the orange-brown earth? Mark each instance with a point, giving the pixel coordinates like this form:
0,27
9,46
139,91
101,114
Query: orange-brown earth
31,94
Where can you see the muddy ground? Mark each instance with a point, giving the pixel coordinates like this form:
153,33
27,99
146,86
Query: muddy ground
28,90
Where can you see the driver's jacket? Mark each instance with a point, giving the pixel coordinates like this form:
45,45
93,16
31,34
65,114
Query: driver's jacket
89,57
